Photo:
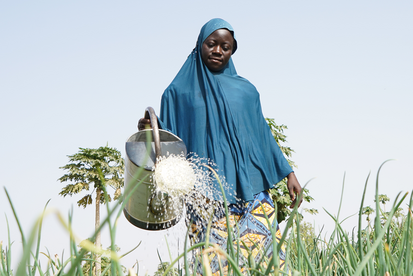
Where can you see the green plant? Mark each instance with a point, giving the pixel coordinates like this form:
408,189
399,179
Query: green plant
279,193
30,263
376,250
382,249
264,265
379,251
98,168
162,268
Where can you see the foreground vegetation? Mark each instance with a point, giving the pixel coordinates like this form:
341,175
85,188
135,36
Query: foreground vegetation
384,247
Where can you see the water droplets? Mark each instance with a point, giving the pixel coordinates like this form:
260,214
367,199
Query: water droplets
188,178
174,175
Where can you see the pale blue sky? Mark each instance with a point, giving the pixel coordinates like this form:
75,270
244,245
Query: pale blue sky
76,74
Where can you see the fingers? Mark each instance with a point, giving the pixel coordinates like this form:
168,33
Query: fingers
292,194
293,201
294,190
298,192
144,123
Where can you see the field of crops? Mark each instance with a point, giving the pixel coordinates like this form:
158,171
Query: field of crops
384,247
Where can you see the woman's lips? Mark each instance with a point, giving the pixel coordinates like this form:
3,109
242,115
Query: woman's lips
215,60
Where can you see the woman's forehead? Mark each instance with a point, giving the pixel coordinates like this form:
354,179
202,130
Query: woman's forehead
221,33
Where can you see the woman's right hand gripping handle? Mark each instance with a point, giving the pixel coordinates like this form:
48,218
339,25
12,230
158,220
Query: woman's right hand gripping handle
144,123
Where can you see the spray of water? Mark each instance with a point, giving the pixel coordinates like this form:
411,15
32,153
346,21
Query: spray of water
174,175
187,178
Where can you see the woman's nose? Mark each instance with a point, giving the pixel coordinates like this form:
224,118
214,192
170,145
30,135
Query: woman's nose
217,50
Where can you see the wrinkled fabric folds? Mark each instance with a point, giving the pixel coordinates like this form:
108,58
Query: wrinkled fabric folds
218,116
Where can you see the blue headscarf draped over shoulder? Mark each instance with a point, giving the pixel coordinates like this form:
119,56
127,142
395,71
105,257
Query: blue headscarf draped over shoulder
218,116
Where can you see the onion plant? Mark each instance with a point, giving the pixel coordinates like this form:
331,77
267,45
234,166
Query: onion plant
385,248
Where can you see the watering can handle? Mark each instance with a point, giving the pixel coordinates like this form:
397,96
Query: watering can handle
150,114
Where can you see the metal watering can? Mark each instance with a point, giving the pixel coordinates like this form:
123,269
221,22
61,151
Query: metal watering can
147,208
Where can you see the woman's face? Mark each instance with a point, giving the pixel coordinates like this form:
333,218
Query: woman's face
217,49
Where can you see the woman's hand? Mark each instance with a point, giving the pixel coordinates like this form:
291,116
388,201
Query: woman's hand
144,123
294,188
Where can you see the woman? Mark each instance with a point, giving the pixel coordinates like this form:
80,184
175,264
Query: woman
218,115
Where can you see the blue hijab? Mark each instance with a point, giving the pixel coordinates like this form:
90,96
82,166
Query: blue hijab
218,116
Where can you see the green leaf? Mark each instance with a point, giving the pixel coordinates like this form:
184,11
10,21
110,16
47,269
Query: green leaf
279,193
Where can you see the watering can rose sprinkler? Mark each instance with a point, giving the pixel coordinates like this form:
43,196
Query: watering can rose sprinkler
148,207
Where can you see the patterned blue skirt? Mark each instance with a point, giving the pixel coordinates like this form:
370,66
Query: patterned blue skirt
251,233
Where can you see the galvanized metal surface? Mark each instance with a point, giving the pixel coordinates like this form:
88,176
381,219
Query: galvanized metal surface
145,208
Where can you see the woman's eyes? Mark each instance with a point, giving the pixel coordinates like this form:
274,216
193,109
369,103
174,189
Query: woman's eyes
212,44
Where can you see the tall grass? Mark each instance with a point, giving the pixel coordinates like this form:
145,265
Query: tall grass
382,249
30,264
386,249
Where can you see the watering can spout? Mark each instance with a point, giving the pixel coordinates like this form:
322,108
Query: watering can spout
146,208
